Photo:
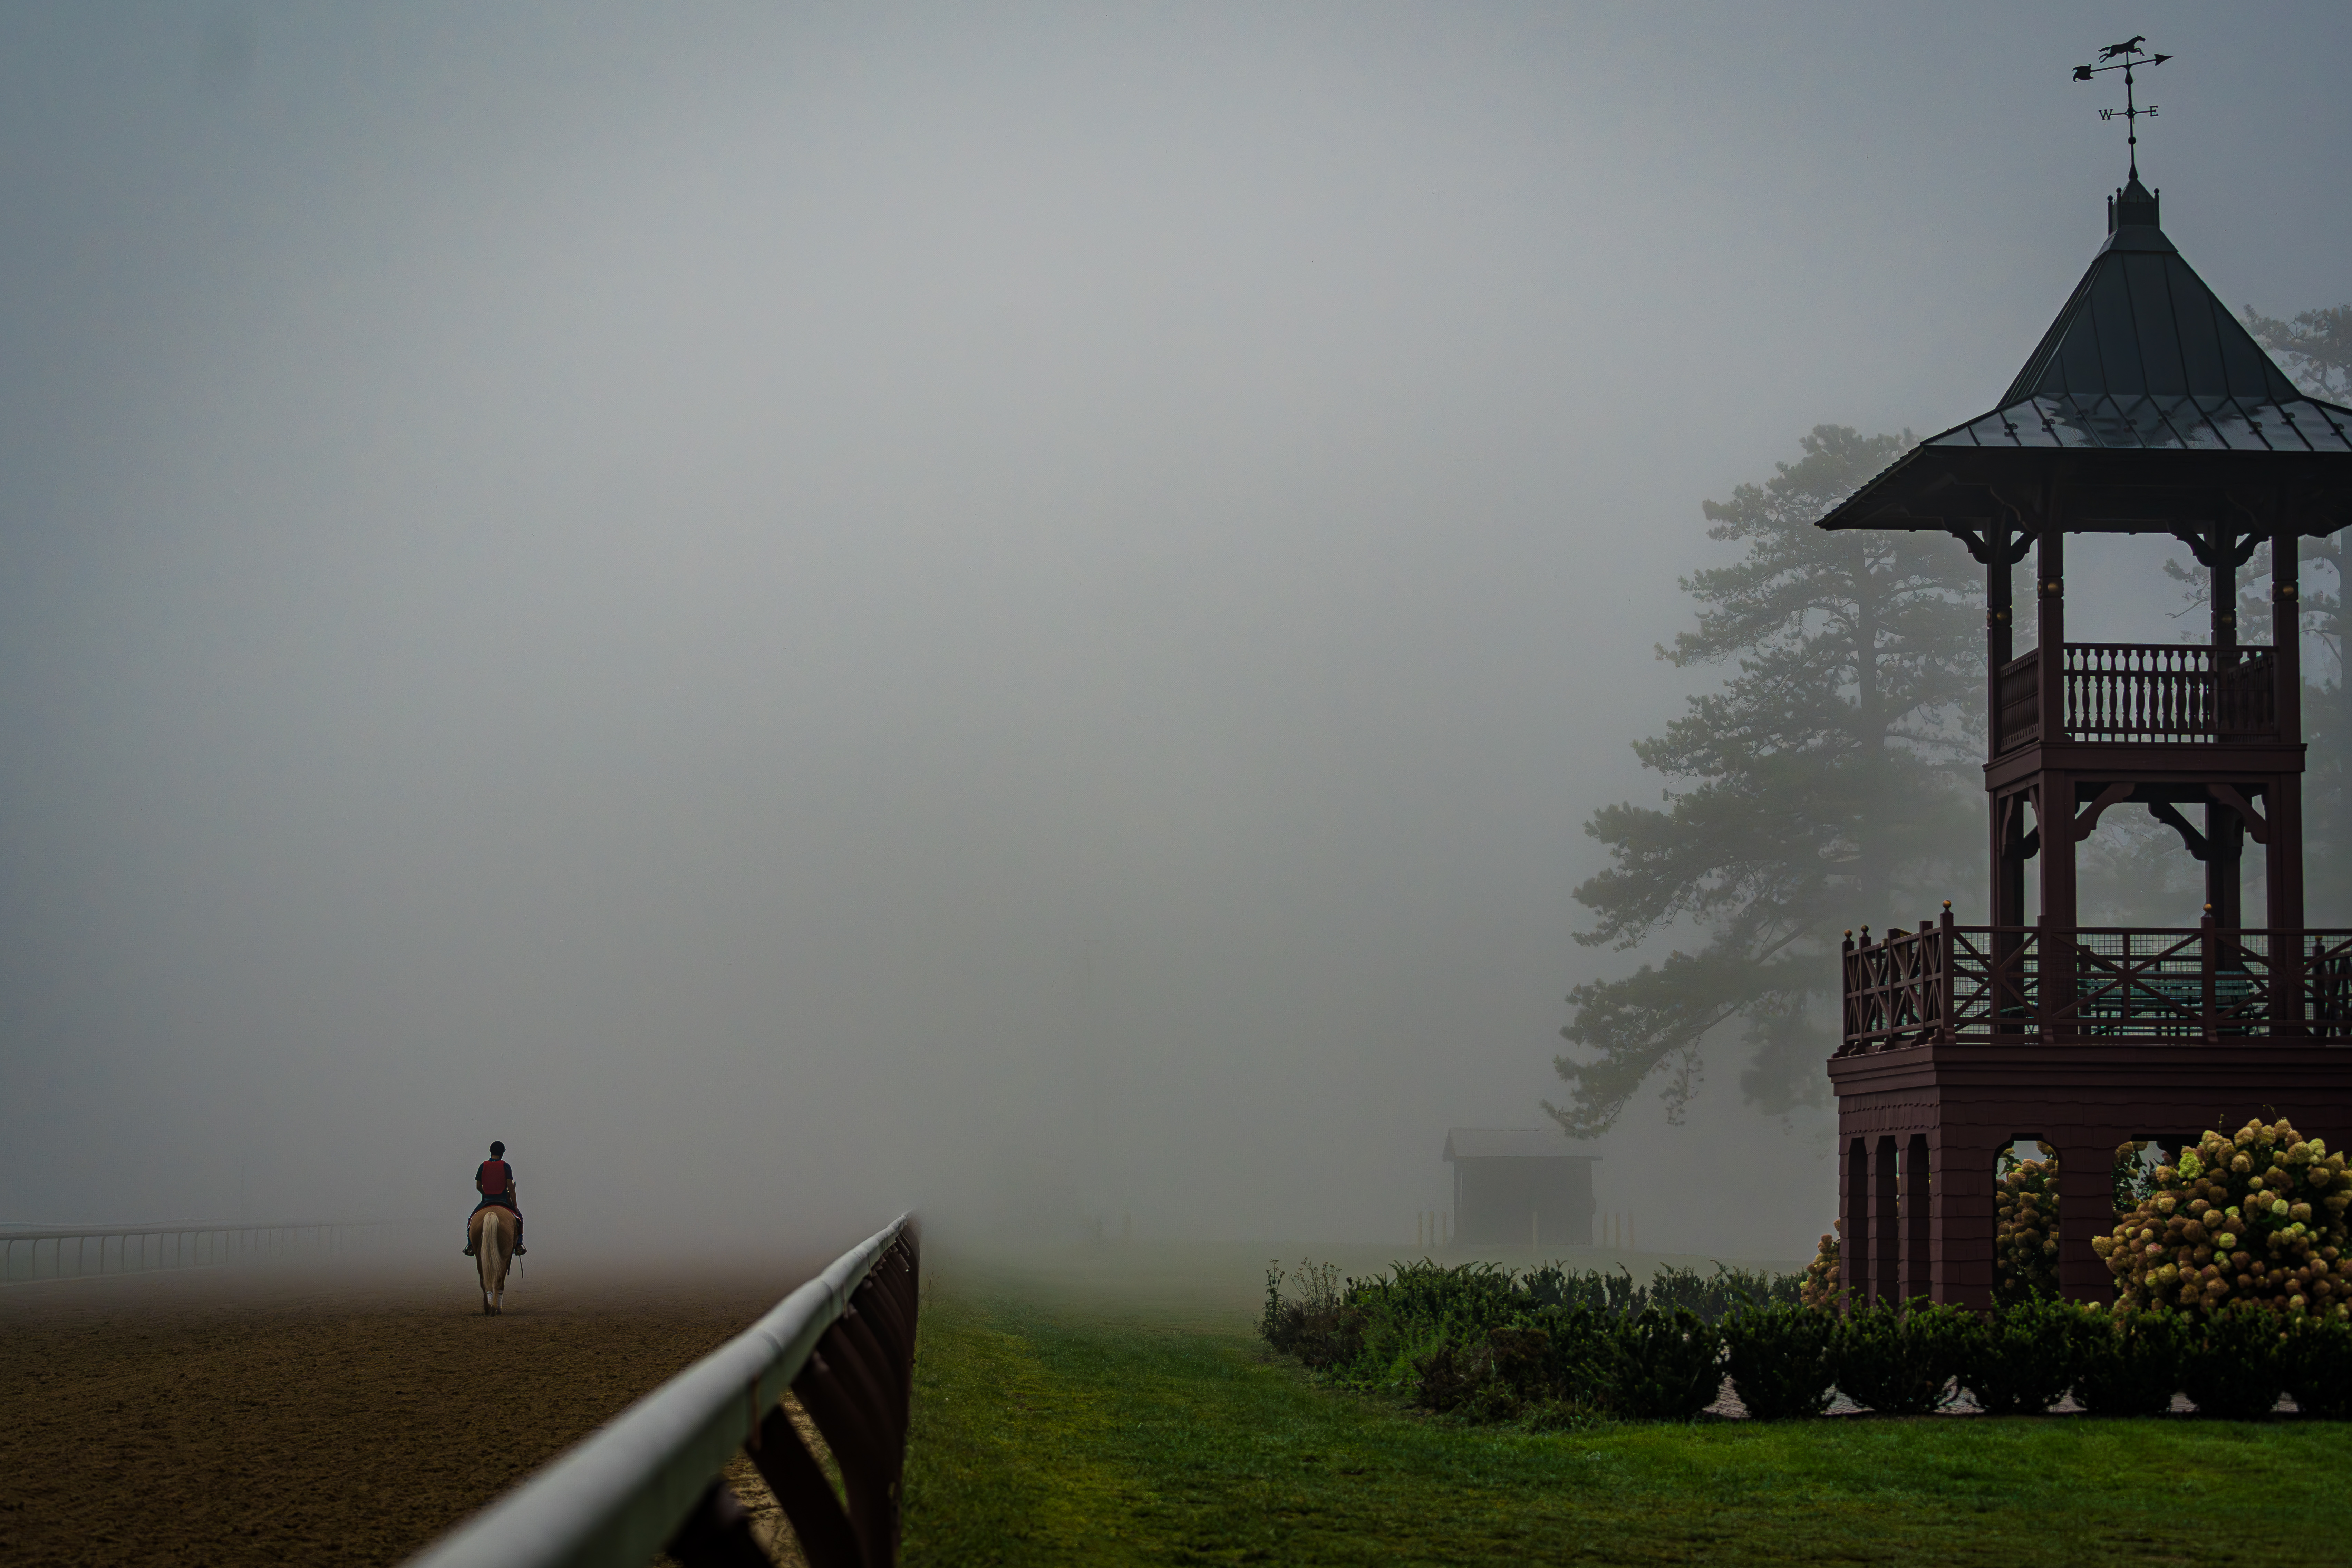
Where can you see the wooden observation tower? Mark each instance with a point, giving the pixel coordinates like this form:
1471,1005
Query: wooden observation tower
2146,408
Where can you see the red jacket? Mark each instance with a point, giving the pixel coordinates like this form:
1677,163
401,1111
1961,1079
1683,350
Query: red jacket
493,1177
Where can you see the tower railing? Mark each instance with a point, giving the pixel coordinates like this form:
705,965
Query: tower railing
1951,984
2143,692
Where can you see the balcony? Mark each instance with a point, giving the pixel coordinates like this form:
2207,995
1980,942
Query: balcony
2145,692
1946,984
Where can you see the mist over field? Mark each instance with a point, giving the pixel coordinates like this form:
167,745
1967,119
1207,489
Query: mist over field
802,610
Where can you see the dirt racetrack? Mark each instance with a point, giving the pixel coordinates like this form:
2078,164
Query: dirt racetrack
237,1417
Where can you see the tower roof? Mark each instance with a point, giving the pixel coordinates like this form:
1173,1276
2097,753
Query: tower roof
2147,407
2144,356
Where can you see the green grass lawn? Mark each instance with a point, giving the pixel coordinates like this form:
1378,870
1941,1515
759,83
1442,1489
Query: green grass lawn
1054,1424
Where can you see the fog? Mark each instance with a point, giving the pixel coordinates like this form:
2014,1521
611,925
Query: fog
1018,610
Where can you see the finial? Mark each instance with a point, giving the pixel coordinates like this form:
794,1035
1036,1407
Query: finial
2122,57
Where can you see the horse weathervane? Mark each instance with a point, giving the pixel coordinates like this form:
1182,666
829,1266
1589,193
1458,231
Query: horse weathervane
2122,57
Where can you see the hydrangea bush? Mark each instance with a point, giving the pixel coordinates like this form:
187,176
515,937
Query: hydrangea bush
2025,1228
1819,1289
2256,1218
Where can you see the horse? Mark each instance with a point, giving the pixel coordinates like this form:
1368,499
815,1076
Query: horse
494,1240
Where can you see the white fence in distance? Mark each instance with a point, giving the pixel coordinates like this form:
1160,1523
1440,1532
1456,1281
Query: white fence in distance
91,1251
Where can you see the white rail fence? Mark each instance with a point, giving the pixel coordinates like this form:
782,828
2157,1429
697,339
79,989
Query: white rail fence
843,1344
88,1251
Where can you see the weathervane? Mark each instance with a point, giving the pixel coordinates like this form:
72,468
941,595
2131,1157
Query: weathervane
2122,57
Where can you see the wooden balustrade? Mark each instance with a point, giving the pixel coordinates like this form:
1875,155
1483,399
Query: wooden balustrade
1947,983
2144,691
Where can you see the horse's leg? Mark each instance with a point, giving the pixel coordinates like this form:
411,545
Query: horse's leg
498,1271
483,1253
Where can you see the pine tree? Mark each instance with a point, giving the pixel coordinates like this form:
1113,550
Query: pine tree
2316,347
1828,782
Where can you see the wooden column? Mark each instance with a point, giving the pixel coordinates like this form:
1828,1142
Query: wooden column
2283,865
1918,1278
2054,958
2282,855
2000,630
1854,1205
2008,829
2054,810
1885,1225
2009,915
2000,646
2050,628
2225,836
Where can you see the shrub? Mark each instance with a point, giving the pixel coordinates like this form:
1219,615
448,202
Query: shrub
2025,1228
1580,1356
1444,1378
1415,1308
1571,1365
2130,1360
1319,1326
2229,1361
1819,1289
1778,1357
2022,1358
1709,1296
1665,1366
2315,1364
1512,1372
1901,1361
2257,1217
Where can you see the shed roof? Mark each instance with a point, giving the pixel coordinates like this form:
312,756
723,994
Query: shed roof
1508,1143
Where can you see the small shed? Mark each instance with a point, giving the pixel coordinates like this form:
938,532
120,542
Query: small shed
1519,1186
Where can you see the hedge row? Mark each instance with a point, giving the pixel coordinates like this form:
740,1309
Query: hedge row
1550,1348
1375,1331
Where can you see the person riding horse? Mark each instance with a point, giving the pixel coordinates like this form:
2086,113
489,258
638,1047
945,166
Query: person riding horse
494,1180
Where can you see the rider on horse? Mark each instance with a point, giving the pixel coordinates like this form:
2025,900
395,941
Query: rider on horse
494,1180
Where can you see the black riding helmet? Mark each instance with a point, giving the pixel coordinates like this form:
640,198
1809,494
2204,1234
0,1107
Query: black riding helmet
496,1149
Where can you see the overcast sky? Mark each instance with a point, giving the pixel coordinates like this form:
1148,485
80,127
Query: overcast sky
1012,608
